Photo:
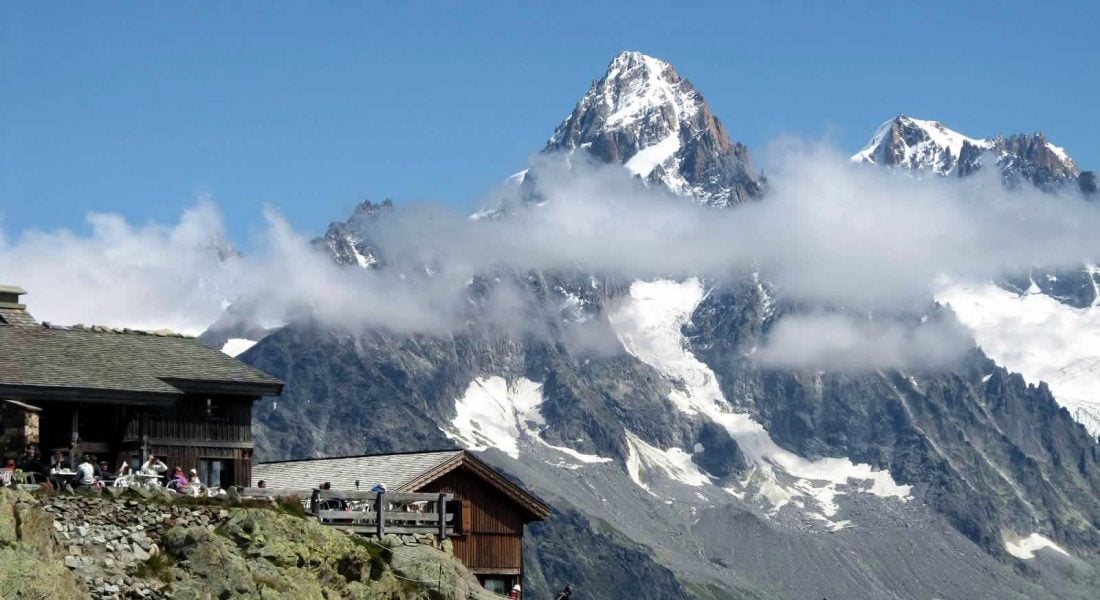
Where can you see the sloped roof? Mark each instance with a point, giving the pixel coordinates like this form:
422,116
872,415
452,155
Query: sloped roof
392,470
55,362
406,472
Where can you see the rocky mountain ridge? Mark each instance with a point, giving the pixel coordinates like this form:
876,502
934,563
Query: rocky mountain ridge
917,145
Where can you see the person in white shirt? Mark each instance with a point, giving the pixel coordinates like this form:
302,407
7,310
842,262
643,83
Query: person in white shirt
85,473
153,466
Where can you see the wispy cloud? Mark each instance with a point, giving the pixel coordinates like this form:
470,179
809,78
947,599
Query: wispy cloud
829,232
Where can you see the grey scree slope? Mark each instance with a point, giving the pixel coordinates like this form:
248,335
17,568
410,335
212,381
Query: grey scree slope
391,470
107,361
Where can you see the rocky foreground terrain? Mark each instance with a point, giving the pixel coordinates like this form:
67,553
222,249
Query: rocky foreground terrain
133,546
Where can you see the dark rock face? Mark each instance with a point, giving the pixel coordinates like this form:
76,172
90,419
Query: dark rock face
642,103
1077,288
349,242
1025,158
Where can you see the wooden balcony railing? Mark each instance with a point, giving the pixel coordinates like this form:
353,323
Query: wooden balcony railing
371,513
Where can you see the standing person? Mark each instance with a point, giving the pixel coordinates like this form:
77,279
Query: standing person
154,466
566,594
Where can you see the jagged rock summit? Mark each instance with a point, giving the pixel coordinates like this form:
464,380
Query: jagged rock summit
643,115
918,145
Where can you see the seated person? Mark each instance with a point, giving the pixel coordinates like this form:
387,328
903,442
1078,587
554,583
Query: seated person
58,463
32,461
178,480
85,473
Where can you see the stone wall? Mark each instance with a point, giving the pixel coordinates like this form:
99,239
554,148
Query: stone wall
106,538
145,545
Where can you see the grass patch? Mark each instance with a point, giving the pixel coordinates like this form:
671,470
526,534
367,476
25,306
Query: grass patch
290,506
158,566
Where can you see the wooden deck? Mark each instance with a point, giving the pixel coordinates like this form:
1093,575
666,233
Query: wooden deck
371,513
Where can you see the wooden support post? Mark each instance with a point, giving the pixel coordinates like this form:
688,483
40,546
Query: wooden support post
74,436
143,434
441,509
380,513
313,499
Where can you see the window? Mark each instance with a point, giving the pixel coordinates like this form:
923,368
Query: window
214,410
496,585
213,472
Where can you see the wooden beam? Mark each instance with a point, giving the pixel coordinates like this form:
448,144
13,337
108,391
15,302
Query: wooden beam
390,496
207,443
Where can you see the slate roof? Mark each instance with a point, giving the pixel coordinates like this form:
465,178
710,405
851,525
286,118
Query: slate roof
406,472
392,470
55,362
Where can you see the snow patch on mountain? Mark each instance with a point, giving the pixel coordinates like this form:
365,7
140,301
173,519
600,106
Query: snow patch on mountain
235,346
1025,548
649,324
1040,338
643,163
498,413
674,462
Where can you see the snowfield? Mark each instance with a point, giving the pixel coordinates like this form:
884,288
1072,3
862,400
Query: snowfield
1040,338
497,413
649,324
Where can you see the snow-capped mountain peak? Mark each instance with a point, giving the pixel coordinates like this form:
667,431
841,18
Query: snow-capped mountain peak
643,115
923,146
919,145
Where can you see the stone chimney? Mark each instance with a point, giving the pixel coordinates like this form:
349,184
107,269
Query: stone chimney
13,312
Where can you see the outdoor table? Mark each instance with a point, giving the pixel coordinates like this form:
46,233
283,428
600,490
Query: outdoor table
63,478
148,479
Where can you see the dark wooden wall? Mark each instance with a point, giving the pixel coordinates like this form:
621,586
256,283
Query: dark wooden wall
494,541
188,421
183,434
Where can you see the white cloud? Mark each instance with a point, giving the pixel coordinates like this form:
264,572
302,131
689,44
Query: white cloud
829,232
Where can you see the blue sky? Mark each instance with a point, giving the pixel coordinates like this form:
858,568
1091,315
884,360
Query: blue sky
310,107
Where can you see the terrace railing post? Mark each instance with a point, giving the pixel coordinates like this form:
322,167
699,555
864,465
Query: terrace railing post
441,508
313,501
380,513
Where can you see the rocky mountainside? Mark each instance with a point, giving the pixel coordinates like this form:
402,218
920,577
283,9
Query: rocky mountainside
674,457
349,241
